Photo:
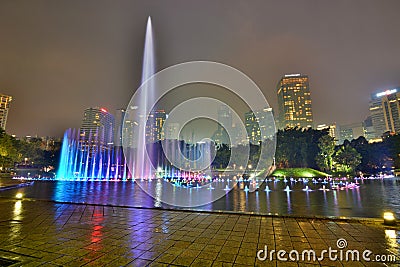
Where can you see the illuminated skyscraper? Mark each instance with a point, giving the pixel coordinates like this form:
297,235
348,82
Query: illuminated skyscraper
224,127
5,101
259,125
351,131
97,126
331,129
385,111
118,126
294,101
154,126
171,131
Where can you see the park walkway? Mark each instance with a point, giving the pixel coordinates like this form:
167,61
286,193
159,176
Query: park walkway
43,233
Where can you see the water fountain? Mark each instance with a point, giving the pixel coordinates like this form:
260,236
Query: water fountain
287,189
90,158
267,189
307,189
324,188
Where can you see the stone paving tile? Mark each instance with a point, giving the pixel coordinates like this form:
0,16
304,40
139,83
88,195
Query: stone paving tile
39,233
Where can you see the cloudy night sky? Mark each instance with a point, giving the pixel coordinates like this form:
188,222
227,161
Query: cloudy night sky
59,57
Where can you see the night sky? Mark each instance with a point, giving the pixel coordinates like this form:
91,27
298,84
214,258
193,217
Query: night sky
59,57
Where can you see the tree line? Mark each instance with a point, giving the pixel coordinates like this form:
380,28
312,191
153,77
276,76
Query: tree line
295,148
28,152
310,148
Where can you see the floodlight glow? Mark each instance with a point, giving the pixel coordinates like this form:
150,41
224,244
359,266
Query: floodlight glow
389,218
387,92
19,195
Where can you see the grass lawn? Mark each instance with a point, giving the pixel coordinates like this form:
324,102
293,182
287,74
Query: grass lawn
299,173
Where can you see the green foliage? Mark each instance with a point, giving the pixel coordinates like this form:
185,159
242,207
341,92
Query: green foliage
326,145
222,156
8,152
309,148
298,173
13,151
347,159
297,148
377,157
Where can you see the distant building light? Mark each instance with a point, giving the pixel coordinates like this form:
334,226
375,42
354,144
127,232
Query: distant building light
293,75
387,92
103,110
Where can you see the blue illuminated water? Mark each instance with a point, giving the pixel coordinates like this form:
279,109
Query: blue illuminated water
370,199
90,158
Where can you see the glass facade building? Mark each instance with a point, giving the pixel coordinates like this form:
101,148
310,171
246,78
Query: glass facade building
259,125
154,126
385,111
5,101
97,126
294,101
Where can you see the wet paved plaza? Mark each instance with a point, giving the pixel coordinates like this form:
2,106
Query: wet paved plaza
42,233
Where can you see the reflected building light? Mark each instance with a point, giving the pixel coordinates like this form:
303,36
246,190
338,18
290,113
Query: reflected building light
335,199
289,206
157,202
15,229
17,209
391,238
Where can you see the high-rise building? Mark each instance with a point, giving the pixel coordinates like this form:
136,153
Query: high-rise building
259,125
294,100
369,130
171,131
332,130
350,131
224,127
5,101
154,126
385,111
97,126
118,126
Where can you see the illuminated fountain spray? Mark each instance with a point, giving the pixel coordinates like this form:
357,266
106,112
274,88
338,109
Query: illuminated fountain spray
90,158
142,167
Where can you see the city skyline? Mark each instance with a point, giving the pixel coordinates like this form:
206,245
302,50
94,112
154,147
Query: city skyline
61,58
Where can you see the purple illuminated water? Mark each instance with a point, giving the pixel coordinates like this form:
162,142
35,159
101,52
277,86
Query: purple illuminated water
370,199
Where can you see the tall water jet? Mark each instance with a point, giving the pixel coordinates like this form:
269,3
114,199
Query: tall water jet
143,150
